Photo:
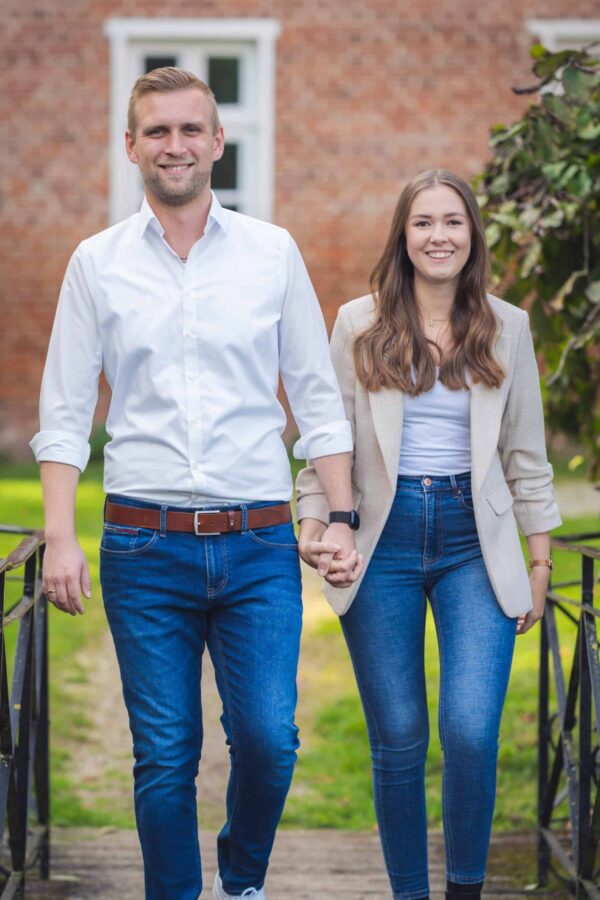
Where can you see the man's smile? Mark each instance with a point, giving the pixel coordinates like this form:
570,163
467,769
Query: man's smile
175,168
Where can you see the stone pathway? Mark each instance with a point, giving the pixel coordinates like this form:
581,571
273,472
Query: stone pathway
306,865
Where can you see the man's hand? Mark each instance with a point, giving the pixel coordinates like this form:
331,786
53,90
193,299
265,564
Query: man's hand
539,579
66,575
343,567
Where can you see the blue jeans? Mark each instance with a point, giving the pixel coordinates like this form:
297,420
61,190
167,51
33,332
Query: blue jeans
167,595
429,549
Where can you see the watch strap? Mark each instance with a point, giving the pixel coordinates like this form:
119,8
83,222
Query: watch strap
548,563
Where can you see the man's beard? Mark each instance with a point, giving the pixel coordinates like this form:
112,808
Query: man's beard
174,194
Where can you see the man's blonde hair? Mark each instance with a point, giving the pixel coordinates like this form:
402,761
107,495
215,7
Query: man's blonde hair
169,78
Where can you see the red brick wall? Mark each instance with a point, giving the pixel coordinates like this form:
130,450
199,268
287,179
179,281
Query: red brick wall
368,94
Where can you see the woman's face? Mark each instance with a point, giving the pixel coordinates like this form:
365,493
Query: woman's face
438,235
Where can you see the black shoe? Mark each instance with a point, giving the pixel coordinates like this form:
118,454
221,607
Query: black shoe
455,891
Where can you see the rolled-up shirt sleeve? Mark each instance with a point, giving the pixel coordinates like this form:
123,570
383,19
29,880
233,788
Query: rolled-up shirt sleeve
70,382
306,368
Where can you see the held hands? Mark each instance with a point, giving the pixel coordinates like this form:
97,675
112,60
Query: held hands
331,551
538,580
66,575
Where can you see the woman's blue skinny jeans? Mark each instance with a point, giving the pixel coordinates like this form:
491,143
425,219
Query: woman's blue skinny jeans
429,548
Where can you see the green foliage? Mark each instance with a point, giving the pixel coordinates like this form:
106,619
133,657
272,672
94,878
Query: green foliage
540,198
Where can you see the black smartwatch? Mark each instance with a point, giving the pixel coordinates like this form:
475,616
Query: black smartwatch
346,518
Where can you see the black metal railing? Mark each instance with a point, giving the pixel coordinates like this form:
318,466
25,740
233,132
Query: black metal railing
24,764
569,736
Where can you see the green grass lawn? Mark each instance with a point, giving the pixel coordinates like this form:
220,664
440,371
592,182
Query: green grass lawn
332,785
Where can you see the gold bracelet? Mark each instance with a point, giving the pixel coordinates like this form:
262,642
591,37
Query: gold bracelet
541,562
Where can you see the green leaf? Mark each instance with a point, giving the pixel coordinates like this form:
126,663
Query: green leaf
551,63
544,140
537,51
568,174
580,184
531,260
553,219
492,234
557,107
571,211
573,82
590,132
530,215
499,185
592,292
553,171
507,219
558,301
501,133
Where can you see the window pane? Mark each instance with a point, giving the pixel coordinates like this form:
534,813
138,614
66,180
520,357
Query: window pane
157,62
225,171
224,78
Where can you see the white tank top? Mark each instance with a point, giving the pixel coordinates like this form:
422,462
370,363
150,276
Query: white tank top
436,433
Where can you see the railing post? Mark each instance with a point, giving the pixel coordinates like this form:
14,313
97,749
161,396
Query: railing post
585,735
42,748
543,852
24,791
586,761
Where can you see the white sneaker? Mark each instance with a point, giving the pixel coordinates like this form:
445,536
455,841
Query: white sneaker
219,893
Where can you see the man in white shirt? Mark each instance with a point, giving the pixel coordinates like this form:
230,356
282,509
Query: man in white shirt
193,311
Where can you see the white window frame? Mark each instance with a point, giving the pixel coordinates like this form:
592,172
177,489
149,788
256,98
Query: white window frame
564,34
171,36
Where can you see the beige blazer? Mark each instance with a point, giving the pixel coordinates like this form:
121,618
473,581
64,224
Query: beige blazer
510,475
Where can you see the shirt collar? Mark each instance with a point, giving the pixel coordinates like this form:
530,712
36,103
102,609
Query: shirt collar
148,218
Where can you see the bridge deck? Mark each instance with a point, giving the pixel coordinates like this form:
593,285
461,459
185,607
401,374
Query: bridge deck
306,865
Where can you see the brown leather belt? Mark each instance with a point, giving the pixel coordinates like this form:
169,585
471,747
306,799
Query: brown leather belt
199,522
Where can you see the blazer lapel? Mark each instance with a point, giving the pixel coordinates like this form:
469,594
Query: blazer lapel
386,409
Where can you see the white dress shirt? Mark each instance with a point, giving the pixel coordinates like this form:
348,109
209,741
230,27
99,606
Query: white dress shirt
192,353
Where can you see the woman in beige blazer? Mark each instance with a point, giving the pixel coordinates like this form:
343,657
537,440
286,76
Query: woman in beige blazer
441,386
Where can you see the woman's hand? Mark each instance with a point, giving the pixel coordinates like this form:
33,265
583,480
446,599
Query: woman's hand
538,580
336,560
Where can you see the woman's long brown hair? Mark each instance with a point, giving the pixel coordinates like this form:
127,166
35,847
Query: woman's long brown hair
394,351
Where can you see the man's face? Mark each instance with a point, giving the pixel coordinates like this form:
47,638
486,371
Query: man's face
174,144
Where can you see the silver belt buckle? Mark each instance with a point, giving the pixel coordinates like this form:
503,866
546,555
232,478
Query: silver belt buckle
198,533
